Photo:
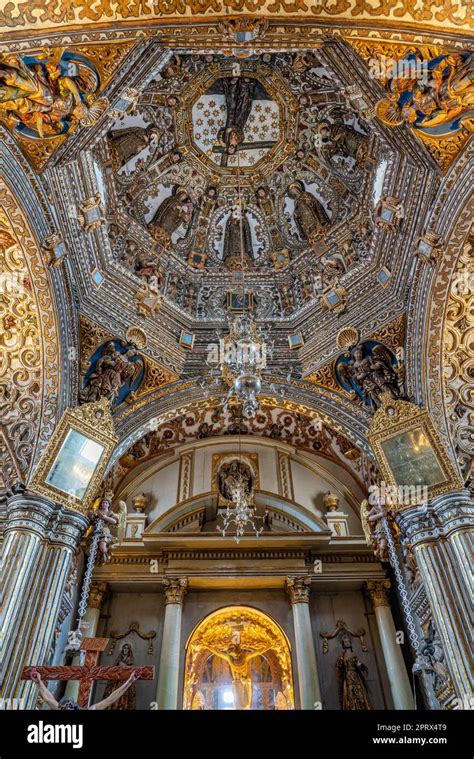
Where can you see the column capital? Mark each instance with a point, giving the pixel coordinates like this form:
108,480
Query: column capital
298,589
175,589
378,592
96,595
29,512
447,514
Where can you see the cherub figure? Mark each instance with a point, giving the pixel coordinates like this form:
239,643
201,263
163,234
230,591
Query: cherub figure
104,516
374,528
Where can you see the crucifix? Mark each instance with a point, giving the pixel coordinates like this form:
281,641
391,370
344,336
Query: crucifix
229,152
87,674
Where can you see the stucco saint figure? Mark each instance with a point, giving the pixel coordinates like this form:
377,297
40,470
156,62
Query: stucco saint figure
170,214
128,143
237,241
310,216
351,674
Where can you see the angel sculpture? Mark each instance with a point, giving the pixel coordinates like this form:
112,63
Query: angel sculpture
370,374
102,517
43,96
111,372
373,524
431,657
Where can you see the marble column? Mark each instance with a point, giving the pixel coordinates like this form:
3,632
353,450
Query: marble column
298,589
168,670
41,538
441,539
402,695
89,627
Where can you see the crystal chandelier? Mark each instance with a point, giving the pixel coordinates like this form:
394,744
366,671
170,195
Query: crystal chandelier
242,360
241,514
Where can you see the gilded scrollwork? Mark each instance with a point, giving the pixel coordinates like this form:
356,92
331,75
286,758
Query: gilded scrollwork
29,380
458,361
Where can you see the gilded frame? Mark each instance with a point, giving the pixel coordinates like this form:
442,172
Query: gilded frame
395,418
94,421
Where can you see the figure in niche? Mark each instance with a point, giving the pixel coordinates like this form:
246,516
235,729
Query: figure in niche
170,215
239,94
306,286
173,289
230,476
190,297
351,674
340,139
310,216
238,658
146,266
111,372
238,248
128,699
128,143
369,373
333,269
287,298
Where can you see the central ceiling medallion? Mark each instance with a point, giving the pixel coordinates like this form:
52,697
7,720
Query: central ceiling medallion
238,119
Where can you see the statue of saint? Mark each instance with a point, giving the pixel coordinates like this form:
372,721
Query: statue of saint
238,658
340,139
310,216
231,475
351,674
128,143
170,214
239,92
238,248
111,372
128,699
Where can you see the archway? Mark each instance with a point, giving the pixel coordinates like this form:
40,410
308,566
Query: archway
238,658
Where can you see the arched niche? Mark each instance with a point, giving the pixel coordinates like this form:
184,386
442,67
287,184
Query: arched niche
238,658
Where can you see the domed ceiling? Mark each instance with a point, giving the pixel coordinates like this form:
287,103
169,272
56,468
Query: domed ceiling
220,184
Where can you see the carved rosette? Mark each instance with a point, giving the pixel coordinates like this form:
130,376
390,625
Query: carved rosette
378,592
298,589
175,589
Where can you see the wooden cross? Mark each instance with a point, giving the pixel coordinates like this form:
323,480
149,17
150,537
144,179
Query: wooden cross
242,146
90,671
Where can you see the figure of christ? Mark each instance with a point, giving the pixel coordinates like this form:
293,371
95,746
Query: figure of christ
69,703
238,658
